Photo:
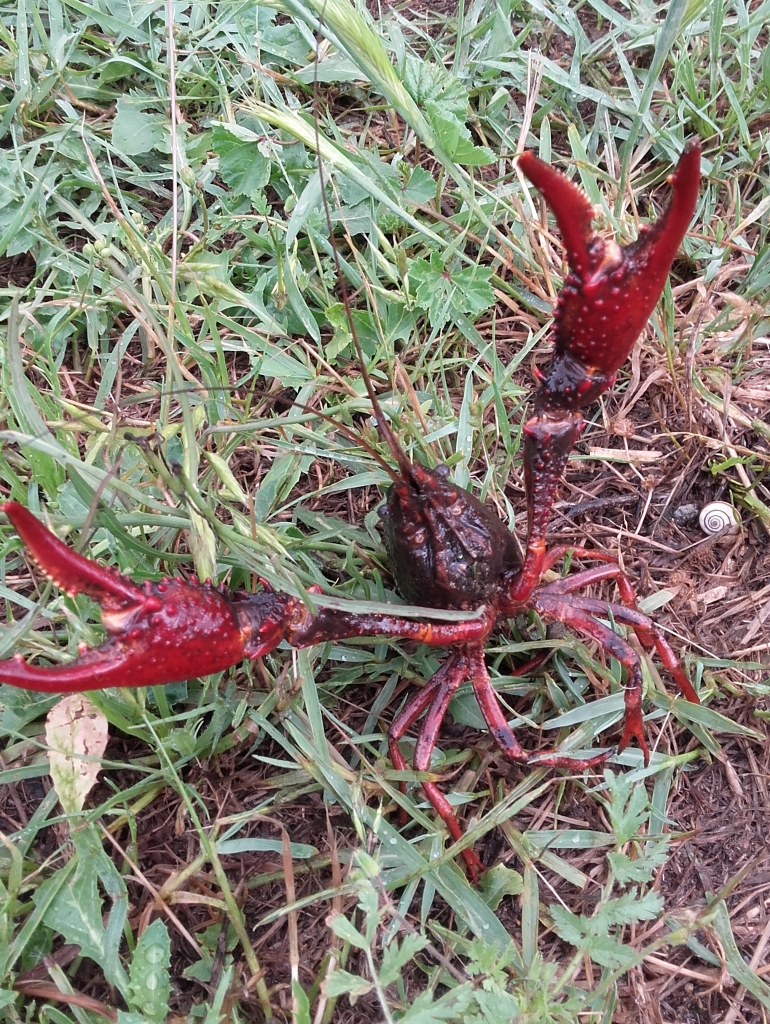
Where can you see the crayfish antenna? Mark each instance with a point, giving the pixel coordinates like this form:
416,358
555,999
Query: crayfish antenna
383,427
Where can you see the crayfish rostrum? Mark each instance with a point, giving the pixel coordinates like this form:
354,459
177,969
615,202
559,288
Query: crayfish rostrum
446,549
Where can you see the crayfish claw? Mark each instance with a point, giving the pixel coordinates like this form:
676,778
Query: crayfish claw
606,300
161,633
70,571
611,289
570,205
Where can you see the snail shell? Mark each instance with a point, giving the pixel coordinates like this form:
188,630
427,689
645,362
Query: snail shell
718,516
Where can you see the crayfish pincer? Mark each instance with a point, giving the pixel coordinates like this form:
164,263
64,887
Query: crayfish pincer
446,549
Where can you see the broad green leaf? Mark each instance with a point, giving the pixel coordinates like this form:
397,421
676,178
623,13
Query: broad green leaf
77,911
500,881
628,806
431,82
342,927
242,165
420,188
495,1005
628,871
445,294
340,983
455,138
631,907
135,132
427,1009
608,952
396,956
579,931
149,975
303,130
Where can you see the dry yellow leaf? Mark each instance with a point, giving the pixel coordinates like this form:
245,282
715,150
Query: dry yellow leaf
77,735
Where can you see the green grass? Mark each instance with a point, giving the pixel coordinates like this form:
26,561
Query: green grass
183,287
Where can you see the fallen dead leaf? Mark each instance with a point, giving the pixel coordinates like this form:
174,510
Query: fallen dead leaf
628,456
77,735
715,594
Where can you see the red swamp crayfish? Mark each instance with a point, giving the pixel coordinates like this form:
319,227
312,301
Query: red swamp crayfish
446,549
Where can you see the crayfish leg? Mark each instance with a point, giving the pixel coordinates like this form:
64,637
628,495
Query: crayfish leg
435,697
649,635
580,614
504,736
404,720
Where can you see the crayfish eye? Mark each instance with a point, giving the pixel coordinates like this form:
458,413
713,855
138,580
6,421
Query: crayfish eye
442,471
383,511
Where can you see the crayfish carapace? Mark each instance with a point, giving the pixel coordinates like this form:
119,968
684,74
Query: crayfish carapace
446,549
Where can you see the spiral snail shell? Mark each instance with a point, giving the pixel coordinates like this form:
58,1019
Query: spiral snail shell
718,516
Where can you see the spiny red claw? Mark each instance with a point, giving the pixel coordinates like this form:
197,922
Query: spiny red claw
70,571
611,290
160,632
607,298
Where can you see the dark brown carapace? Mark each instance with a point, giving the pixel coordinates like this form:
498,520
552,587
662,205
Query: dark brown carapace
446,549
